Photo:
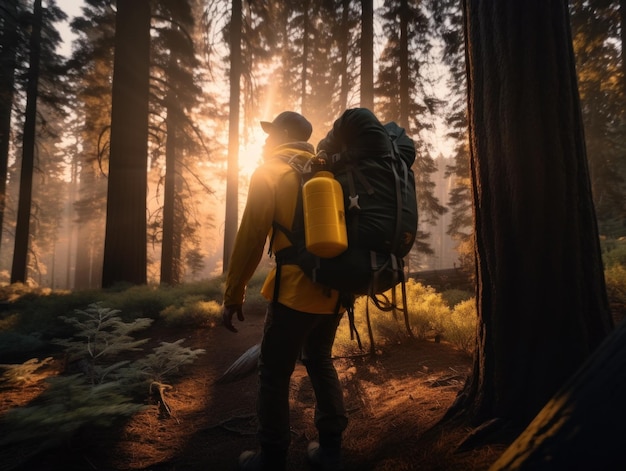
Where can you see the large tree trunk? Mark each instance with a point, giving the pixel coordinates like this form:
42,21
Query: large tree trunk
367,54
125,241
231,218
584,425
22,227
541,296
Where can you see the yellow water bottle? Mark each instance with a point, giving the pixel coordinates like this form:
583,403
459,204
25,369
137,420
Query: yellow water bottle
324,216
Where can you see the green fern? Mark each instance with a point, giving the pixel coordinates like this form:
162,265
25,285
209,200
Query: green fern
100,336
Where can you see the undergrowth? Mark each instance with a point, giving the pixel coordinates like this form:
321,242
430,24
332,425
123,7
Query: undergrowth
431,315
107,376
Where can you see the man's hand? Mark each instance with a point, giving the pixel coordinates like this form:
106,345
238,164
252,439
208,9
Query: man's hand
227,315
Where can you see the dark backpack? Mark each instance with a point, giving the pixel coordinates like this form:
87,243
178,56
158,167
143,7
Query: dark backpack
372,162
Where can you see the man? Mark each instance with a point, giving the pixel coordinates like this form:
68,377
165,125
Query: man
302,317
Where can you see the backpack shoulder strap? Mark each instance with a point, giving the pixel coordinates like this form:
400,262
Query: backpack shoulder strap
302,166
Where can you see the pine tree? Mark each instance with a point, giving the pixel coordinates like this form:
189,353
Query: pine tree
401,91
43,67
125,258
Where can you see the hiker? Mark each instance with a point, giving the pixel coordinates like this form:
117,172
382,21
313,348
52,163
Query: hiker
302,316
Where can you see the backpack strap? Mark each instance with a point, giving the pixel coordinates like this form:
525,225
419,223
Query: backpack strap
301,165
349,165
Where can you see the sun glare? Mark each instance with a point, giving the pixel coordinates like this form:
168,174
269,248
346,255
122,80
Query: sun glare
251,151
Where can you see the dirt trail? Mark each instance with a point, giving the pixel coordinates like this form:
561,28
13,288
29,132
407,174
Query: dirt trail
392,400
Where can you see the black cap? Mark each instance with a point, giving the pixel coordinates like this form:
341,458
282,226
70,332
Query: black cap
296,125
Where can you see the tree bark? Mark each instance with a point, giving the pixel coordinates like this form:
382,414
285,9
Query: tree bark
125,252
344,41
584,425
405,96
622,17
8,54
542,303
22,227
231,218
169,272
367,54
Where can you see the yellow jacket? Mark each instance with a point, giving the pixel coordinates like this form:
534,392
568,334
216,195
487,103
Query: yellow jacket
272,196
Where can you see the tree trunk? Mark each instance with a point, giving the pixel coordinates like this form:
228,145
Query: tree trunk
622,16
541,296
231,218
22,227
405,97
344,41
8,54
367,54
125,250
91,204
168,274
584,425
306,40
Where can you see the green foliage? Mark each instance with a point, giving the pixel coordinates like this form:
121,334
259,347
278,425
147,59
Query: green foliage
15,344
615,277
24,373
452,297
614,253
614,258
194,311
100,336
161,365
38,312
103,391
460,329
430,316
67,405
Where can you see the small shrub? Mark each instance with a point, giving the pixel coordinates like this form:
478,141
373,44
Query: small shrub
614,253
24,373
429,317
194,311
460,329
100,336
452,297
17,345
105,388
67,405
160,366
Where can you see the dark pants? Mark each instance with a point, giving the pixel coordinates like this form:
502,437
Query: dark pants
290,335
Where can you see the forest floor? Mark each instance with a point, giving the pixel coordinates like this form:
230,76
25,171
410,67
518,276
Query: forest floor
395,401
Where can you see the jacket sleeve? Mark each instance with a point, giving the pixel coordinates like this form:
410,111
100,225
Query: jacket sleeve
251,236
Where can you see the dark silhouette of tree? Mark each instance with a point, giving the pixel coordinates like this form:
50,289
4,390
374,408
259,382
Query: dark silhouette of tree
91,69
622,30
367,54
43,68
171,243
174,62
596,35
9,40
542,304
125,239
232,179
402,97
448,21
22,228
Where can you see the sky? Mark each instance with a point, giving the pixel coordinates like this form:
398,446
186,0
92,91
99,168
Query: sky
72,8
